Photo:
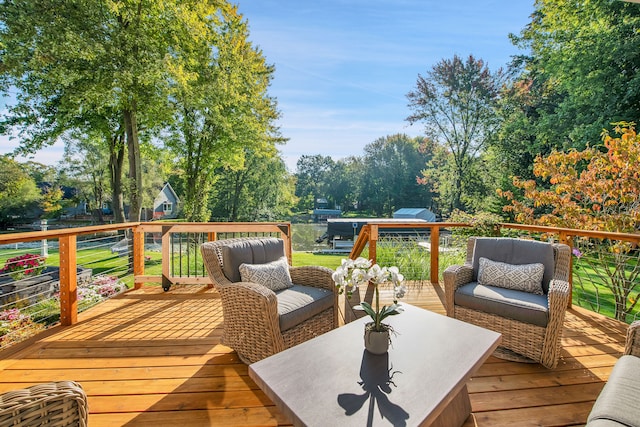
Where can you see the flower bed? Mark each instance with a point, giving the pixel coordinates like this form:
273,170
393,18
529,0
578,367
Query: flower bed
22,266
17,325
99,288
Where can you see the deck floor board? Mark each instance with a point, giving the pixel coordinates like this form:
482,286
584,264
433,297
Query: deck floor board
150,357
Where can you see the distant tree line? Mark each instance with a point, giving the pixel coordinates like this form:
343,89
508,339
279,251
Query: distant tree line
379,182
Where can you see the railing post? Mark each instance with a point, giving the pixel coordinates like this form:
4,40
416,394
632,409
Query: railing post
166,256
138,256
285,234
68,281
373,242
350,314
568,240
435,254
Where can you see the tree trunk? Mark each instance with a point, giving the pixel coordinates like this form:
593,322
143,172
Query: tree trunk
98,197
135,165
116,161
239,183
457,191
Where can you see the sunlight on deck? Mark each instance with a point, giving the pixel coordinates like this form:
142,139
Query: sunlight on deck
153,358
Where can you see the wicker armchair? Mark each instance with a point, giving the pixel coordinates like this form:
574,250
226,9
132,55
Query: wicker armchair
632,346
62,403
254,316
531,325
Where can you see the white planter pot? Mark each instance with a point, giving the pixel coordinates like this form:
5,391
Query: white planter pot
376,342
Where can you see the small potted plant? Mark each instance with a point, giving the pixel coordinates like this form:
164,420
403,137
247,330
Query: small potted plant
353,273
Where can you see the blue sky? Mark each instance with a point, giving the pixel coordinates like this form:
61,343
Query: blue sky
344,67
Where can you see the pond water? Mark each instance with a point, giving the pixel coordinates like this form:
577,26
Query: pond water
303,237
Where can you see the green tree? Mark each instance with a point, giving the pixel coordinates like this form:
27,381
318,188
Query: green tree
263,190
223,109
456,102
97,66
86,168
581,69
18,192
392,165
345,182
51,202
40,172
313,178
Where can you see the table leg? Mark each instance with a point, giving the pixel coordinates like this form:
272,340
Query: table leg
457,412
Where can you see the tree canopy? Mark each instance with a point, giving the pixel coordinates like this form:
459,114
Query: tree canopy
222,110
18,192
581,64
455,101
112,68
589,189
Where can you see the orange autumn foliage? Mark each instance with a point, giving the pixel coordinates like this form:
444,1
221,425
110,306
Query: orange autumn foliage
590,189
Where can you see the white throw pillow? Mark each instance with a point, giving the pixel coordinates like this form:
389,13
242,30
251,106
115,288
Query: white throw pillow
523,277
274,275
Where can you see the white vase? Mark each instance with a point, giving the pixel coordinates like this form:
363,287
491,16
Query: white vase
376,342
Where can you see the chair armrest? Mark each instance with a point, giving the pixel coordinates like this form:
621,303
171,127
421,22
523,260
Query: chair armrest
633,339
454,277
558,298
45,404
315,276
247,293
252,305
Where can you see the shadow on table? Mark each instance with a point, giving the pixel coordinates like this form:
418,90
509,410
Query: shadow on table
377,382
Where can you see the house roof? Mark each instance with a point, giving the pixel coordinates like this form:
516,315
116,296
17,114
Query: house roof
419,213
169,188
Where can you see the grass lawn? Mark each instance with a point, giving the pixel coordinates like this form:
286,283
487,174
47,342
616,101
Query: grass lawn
307,258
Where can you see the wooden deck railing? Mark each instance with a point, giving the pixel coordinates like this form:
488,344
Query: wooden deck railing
370,235
181,262
196,234
191,233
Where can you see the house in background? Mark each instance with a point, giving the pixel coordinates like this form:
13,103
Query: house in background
166,203
322,212
416,213
322,215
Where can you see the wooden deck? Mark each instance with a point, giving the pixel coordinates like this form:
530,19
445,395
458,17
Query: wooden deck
154,358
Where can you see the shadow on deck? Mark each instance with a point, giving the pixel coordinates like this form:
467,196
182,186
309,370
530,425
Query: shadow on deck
153,358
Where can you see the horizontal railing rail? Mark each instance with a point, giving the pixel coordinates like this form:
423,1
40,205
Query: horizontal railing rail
128,241
622,275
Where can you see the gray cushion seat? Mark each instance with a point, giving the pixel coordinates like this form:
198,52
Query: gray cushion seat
514,304
523,306
301,303
296,304
617,404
